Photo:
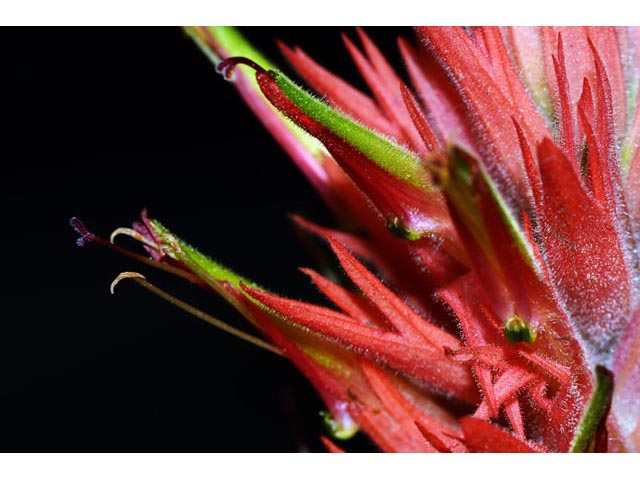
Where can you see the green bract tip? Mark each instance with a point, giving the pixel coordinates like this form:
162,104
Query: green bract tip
517,330
337,431
400,230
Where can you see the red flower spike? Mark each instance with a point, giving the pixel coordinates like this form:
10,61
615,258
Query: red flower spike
497,200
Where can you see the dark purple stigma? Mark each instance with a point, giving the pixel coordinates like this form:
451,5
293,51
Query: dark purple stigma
226,66
85,236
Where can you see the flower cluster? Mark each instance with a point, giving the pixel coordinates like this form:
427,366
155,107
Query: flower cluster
496,202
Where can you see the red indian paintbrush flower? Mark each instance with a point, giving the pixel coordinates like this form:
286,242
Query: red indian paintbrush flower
497,199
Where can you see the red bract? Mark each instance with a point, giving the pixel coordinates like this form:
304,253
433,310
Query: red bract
499,200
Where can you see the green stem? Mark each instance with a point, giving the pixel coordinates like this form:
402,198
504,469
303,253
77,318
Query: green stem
596,413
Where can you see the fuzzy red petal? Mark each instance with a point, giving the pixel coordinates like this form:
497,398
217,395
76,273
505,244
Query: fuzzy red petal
484,437
581,243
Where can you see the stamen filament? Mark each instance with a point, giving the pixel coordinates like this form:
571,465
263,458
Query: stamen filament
148,261
142,281
86,236
130,232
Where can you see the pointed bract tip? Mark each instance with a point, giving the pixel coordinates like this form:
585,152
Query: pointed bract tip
226,67
123,276
85,236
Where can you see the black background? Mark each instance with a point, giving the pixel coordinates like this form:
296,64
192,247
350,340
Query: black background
100,123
